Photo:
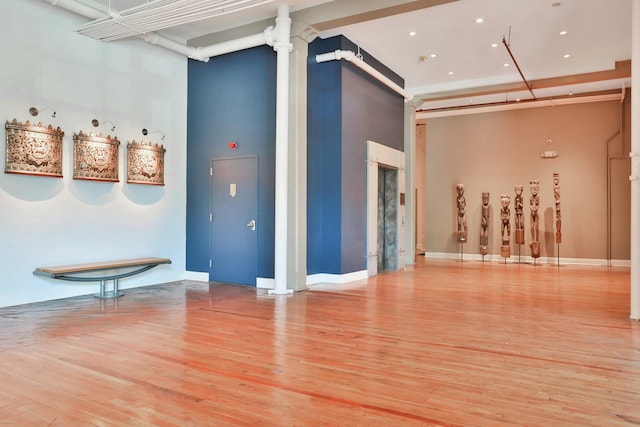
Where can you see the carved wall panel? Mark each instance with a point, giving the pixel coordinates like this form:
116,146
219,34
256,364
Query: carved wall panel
145,163
33,149
95,157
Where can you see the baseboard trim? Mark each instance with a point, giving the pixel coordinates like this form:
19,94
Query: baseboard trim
196,275
264,283
527,259
336,278
312,279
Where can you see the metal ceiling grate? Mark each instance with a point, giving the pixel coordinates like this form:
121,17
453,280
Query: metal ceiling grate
158,14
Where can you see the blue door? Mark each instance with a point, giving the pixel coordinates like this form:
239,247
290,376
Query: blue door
234,220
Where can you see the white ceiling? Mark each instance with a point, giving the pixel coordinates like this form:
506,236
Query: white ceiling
598,35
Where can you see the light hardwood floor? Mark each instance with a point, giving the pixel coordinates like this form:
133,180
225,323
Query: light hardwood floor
442,343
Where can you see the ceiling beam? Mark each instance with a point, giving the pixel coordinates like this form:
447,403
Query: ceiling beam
335,14
326,16
519,105
622,70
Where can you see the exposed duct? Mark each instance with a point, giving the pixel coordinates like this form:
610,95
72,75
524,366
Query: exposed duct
355,60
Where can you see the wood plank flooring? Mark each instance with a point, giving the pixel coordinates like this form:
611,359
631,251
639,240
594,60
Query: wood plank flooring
443,343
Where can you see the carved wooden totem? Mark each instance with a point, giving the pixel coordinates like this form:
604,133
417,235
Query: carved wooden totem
484,225
534,205
519,209
505,216
556,196
462,214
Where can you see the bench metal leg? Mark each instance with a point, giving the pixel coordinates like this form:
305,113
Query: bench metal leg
116,291
104,294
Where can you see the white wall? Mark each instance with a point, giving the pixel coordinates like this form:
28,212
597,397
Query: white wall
50,221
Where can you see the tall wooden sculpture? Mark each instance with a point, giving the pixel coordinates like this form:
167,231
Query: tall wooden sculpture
484,225
534,205
462,214
556,196
505,217
519,209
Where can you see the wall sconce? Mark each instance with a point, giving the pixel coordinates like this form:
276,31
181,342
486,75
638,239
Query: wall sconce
549,154
146,132
95,123
34,111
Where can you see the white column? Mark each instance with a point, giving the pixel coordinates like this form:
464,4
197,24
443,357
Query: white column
282,46
402,215
410,159
372,213
301,36
635,160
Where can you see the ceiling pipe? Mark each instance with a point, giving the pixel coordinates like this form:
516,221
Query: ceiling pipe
79,8
504,42
200,53
189,52
266,37
355,60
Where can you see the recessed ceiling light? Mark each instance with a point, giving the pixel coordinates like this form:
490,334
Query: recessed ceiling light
566,56
494,44
517,99
412,33
479,20
563,33
506,64
433,55
451,73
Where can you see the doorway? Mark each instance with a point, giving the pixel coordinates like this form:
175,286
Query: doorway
385,164
234,220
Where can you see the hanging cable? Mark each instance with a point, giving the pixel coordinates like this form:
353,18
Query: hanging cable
506,45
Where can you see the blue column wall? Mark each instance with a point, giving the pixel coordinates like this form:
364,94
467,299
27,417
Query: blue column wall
347,108
324,160
231,98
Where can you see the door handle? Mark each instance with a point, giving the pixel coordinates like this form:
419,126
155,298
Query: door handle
251,225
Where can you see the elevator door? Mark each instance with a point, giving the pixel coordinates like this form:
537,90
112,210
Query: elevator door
387,219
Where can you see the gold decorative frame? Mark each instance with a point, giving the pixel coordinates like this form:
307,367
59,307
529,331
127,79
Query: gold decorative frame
95,157
33,149
145,163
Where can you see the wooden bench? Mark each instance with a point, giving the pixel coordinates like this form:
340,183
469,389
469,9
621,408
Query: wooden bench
78,272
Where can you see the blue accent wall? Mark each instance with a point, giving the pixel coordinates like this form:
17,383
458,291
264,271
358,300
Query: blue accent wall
324,165
231,98
346,108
